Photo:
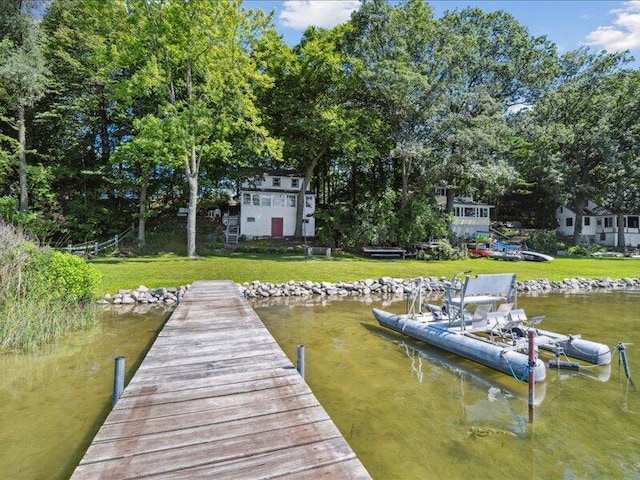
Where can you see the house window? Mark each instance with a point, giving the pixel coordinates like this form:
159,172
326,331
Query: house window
265,200
251,219
292,201
278,200
587,221
484,212
255,199
295,183
469,212
599,222
608,222
257,182
569,222
276,181
457,211
561,209
308,201
633,222
246,199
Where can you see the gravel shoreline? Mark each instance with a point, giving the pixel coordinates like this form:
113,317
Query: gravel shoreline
382,286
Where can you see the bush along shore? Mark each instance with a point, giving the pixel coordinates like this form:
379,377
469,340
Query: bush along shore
371,287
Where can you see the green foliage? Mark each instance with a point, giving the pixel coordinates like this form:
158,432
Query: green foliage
67,276
442,251
421,220
39,292
152,105
585,249
547,242
31,222
377,221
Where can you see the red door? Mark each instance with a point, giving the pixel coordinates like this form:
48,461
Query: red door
276,227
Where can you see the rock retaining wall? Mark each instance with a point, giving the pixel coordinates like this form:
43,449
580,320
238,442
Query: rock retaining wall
144,295
369,287
399,286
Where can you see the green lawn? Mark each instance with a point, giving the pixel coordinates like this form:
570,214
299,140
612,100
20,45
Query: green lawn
172,270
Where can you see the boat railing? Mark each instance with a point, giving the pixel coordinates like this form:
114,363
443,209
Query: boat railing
481,289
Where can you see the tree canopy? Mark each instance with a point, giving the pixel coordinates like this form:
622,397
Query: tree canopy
115,111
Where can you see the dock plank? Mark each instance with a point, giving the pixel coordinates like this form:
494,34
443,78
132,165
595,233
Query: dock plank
216,397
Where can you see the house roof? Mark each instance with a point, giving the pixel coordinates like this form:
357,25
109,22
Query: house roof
469,203
595,212
284,191
283,172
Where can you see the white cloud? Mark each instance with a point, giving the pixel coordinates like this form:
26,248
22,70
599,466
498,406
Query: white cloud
624,34
300,14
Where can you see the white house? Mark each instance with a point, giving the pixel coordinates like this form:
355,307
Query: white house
471,219
268,205
599,225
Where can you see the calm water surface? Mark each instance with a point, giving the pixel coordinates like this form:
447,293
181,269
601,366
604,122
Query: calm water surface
411,411
52,404
408,410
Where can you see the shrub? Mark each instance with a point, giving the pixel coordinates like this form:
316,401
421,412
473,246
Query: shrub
67,275
585,249
547,242
39,292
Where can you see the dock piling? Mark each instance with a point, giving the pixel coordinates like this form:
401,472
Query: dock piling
301,360
118,380
531,379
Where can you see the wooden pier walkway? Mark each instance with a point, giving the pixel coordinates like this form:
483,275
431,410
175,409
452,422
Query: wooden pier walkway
216,397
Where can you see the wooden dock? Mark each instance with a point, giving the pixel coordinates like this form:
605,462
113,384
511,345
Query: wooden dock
216,397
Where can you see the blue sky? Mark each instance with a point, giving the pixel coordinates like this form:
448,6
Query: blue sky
609,25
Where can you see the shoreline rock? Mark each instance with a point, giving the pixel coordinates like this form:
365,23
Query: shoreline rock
399,286
164,296
383,286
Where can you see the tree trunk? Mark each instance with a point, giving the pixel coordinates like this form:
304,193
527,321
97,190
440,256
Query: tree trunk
192,178
192,170
451,197
22,158
303,190
621,243
142,219
580,204
406,171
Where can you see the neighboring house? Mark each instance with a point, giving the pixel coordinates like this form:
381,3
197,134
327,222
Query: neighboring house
599,225
268,206
471,219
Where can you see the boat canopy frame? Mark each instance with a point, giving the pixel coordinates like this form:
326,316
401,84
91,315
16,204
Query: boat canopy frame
481,289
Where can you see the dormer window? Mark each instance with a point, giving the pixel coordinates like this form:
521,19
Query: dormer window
295,183
276,181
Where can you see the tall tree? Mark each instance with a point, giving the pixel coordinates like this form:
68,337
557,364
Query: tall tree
307,107
576,115
81,120
392,51
620,189
491,65
23,76
198,53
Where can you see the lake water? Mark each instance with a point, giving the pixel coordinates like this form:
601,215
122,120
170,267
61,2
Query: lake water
52,404
413,411
408,410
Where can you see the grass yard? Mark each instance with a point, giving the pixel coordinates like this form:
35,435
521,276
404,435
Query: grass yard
170,270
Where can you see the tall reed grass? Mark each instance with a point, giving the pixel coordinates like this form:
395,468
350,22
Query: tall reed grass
32,311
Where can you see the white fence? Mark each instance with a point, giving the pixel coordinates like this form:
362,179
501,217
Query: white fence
94,248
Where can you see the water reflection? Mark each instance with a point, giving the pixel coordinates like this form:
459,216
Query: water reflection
413,411
417,351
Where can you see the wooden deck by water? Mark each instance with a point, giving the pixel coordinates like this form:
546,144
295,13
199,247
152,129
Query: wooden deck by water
216,397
